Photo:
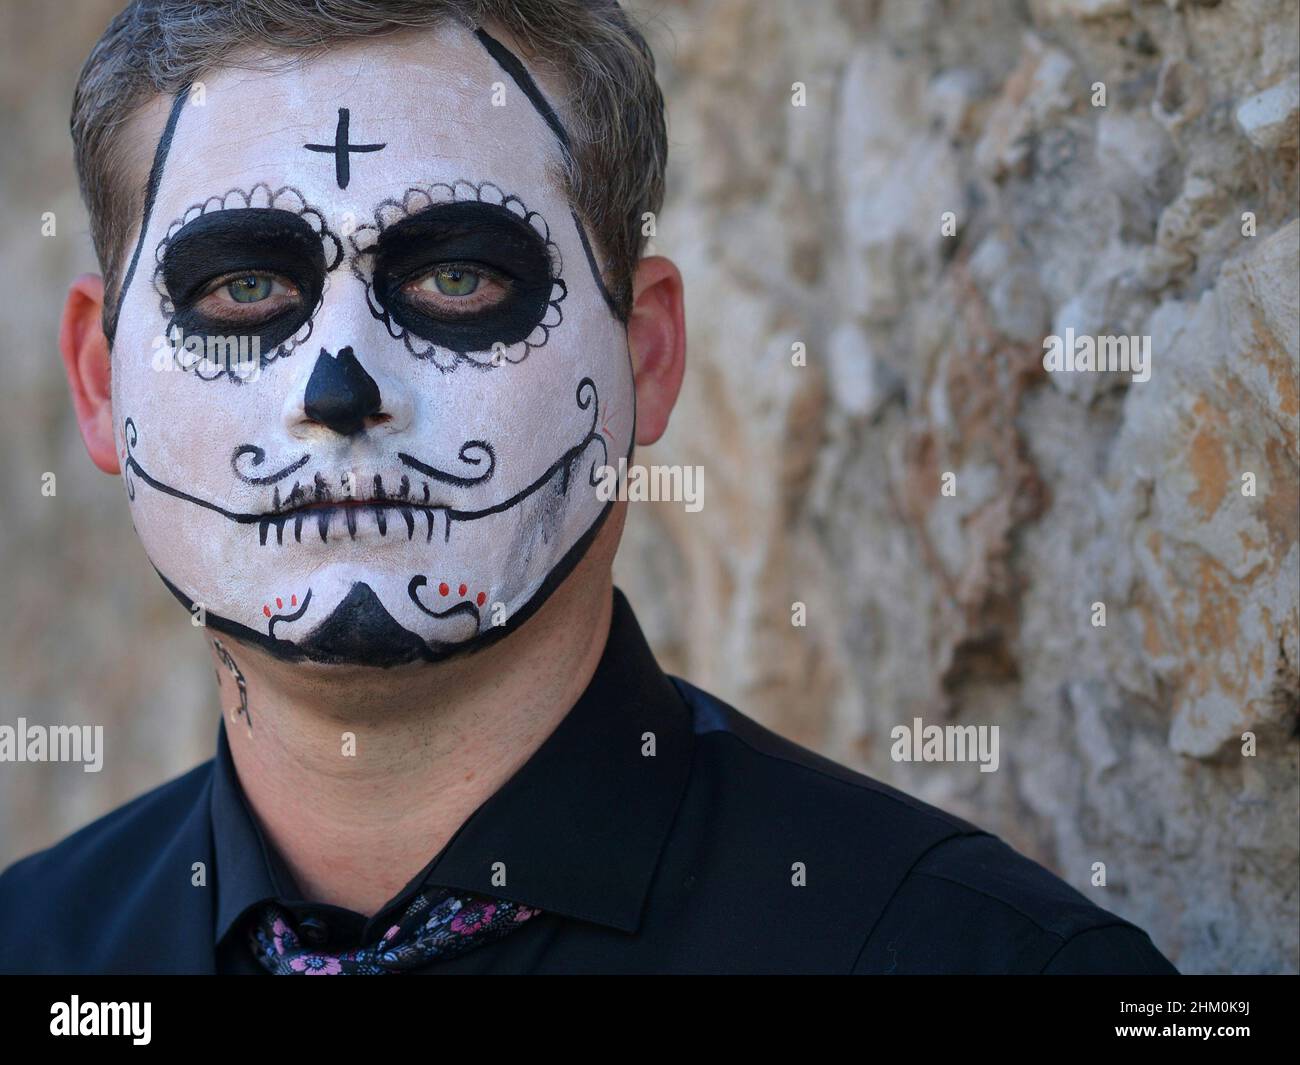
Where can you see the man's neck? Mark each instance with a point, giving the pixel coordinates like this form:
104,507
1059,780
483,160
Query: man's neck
432,743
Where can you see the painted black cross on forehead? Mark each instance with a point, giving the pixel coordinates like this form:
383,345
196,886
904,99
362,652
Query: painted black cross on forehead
342,149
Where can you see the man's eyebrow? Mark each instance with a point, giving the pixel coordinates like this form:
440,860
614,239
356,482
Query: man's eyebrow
513,65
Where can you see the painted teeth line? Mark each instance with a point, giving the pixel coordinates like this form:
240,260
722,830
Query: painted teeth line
320,492
384,503
379,512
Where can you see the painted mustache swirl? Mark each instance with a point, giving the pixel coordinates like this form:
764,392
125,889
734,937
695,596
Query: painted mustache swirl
259,456
467,455
250,456
471,453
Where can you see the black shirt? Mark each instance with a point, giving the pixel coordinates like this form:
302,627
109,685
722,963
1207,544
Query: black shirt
658,829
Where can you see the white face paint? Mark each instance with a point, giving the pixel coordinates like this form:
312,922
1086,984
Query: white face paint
396,452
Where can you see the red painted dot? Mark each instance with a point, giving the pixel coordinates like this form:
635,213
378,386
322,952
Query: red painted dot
293,600
462,589
279,603
443,589
266,610
482,598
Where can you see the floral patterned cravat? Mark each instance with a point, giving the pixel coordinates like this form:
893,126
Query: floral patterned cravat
437,924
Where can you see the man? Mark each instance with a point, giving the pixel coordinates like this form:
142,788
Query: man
374,321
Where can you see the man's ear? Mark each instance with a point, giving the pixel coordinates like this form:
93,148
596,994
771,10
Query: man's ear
85,359
656,334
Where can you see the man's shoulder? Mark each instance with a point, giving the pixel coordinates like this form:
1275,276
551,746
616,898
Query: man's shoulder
764,768
973,904
939,893
129,833
86,876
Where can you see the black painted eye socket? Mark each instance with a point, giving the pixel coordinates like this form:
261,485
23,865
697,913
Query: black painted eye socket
506,255
269,253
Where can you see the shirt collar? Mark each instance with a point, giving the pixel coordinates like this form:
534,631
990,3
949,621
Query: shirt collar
578,830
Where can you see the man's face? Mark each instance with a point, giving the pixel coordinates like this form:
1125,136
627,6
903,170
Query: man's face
363,371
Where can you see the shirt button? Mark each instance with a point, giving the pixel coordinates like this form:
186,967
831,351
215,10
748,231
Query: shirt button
313,931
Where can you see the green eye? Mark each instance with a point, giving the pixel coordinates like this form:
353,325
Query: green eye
453,281
250,289
452,291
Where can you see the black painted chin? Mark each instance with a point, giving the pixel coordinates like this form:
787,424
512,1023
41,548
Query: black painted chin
360,631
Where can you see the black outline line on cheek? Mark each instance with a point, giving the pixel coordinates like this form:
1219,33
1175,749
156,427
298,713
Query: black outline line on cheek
512,65
296,204
151,194
391,211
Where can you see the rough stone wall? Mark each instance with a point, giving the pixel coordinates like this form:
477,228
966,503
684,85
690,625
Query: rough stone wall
821,225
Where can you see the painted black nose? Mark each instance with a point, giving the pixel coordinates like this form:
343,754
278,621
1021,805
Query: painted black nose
340,394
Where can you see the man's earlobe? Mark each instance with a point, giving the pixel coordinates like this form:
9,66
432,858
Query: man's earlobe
656,334
86,362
